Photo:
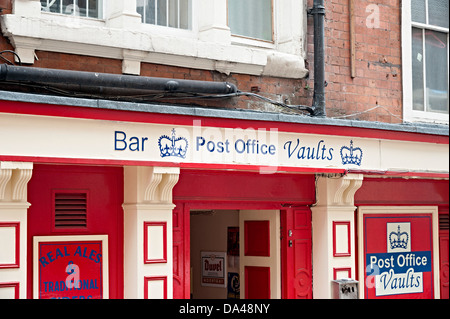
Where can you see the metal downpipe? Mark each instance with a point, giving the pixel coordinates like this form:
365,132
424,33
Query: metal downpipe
318,12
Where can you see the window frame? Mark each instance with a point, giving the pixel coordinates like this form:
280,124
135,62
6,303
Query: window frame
409,114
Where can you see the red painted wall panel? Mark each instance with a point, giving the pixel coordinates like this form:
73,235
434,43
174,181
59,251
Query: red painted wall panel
257,282
381,191
257,238
105,214
227,186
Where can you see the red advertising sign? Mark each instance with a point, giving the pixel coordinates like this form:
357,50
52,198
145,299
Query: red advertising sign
398,256
70,269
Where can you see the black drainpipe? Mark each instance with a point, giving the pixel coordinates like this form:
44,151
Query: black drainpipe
318,12
90,80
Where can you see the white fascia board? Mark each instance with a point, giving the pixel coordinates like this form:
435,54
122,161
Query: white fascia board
69,36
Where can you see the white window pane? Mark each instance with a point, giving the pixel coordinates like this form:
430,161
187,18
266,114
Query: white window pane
95,9
70,8
173,13
418,13
251,18
438,12
51,6
168,13
436,71
185,14
161,12
82,8
417,69
150,10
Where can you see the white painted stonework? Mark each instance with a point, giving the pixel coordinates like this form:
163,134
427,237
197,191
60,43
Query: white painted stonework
121,35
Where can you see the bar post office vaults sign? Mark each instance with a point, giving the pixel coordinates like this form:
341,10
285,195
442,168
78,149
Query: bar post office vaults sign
398,255
268,149
70,267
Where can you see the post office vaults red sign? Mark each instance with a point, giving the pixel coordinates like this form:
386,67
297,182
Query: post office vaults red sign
398,256
70,269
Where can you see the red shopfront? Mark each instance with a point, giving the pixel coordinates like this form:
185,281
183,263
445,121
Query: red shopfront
259,178
79,201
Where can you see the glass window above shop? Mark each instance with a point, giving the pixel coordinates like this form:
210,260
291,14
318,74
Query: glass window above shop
167,13
251,18
81,8
429,55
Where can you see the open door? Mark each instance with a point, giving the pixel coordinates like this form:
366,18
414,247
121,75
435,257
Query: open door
260,271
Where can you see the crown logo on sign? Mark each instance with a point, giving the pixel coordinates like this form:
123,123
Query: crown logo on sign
175,147
351,155
398,239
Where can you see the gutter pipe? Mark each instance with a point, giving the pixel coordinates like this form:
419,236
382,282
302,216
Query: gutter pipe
318,12
90,80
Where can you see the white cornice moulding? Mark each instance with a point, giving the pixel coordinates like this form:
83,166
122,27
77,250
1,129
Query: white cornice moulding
28,34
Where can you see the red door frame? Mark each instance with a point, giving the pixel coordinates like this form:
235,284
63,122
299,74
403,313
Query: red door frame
181,237
290,287
217,190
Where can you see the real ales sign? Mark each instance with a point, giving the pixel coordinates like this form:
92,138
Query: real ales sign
70,268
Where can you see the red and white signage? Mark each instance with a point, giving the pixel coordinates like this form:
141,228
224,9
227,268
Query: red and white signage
70,267
214,269
398,255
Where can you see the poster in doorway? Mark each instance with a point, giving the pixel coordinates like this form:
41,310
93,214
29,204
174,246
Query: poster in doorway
214,269
233,241
233,291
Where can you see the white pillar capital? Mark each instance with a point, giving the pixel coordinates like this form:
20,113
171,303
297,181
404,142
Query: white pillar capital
338,191
14,177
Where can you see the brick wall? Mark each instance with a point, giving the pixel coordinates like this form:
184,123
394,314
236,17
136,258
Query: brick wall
375,93
376,87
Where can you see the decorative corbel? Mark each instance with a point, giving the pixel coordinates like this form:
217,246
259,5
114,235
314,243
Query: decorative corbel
20,179
159,184
5,177
17,175
167,185
150,193
345,192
